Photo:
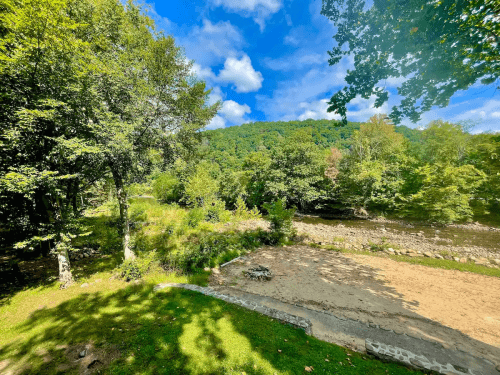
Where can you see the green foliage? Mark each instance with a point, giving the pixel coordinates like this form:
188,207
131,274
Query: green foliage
371,175
439,47
194,217
167,188
134,269
201,187
280,219
215,211
242,212
445,193
211,249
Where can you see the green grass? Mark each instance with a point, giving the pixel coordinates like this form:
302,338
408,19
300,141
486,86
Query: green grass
171,331
424,261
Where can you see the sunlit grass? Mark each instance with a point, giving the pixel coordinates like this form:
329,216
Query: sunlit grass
171,331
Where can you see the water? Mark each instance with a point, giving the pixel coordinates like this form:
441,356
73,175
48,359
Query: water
465,237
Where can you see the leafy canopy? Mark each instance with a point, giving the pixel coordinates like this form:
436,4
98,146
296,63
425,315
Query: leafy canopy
437,47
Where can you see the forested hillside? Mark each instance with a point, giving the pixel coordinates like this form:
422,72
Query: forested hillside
230,145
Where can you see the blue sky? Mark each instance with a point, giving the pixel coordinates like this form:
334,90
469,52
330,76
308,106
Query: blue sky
267,60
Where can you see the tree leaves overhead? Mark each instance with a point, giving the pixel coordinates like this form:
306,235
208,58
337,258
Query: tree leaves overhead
438,47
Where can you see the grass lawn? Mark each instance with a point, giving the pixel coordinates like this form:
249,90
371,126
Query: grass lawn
135,330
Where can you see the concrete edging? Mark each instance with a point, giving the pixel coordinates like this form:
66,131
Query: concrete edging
294,320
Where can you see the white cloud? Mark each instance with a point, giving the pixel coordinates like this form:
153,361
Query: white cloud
318,82
202,73
216,123
259,10
211,43
489,110
296,61
358,109
242,74
233,111
249,5
215,96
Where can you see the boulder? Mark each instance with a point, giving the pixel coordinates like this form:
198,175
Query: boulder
259,273
428,254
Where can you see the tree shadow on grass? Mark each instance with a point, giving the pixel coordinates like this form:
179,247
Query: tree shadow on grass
169,332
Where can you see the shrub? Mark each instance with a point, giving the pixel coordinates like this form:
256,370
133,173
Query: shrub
167,188
207,249
194,217
136,268
280,219
242,212
215,211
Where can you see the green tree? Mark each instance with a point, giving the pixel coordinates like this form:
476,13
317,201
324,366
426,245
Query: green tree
445,193
144,96
444,142
438,47
46,158
202,187
297,172
372,174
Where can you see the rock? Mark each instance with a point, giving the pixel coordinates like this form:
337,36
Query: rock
496,261
428,254
438,256
206,269
456,259
417,363
259,273
84,285
463,260
82,354
498,368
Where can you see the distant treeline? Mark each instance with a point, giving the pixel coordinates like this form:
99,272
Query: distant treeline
229,146
439,174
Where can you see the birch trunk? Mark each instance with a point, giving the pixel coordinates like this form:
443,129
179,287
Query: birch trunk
65,276
121,192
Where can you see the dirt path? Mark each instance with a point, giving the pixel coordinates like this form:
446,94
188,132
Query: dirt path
458,309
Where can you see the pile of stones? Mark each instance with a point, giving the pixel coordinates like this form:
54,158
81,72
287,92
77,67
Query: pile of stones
428,254
259,273
82,254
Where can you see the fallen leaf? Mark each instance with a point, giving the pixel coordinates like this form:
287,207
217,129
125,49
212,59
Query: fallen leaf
286,340
327,360
279,350
308,368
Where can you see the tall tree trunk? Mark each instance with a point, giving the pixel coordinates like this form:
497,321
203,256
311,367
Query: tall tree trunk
121,193
65,275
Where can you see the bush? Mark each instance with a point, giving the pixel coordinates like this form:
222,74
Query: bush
280,219
208,249
136,268
215,211
242,212
194,217
167,188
